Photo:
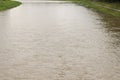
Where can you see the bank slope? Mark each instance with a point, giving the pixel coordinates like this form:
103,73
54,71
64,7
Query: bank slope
98,7
4,5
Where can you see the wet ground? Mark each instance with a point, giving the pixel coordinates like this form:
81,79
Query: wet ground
58,41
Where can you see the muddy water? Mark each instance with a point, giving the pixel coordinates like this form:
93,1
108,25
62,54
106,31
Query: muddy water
57,41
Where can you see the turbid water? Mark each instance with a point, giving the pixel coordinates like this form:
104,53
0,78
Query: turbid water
57,41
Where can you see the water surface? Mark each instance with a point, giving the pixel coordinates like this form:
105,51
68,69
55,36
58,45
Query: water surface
57,41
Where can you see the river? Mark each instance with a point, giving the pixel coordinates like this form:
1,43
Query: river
57,41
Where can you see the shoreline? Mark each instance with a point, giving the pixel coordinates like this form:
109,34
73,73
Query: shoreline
98,7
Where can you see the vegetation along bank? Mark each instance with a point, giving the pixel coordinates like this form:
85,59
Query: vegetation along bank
110,7
7,4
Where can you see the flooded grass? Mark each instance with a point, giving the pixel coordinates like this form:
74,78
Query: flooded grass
111,22
112,27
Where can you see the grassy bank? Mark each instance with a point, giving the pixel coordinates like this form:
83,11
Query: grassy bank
115,5
8,4
106,8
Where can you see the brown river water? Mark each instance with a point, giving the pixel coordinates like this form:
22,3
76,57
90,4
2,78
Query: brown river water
58,41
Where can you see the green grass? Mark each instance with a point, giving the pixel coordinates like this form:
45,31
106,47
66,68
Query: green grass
95,6
4,5
115,5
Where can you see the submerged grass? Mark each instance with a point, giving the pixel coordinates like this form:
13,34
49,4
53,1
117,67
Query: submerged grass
100,6
4,5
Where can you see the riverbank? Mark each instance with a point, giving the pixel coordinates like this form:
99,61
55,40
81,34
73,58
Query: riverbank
103,7
4,5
